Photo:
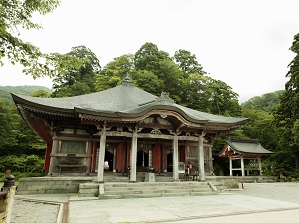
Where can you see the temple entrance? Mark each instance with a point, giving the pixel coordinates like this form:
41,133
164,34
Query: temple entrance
169,162
144,157
142,161
108,161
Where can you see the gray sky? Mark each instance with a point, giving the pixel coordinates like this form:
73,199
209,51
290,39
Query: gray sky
244,43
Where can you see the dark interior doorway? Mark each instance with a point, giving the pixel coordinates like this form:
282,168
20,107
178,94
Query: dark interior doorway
109,159
142,161
169,162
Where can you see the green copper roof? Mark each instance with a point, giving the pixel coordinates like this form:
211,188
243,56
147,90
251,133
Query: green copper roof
247,146
121,101
112,100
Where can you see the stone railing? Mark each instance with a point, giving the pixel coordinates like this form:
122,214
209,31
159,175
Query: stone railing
7,199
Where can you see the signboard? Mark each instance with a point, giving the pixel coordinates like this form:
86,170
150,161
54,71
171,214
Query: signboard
181,167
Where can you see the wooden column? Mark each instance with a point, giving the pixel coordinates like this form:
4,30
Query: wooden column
47,158
175,158
156,157
93,157
88,159
133,157
128,155
114,160
211,159
242,166
259,161
230,166
119,156
183,154
53,159
124,157
163,161
101,161
201,159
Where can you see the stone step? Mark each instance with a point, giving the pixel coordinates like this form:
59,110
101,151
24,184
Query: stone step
135,190
156,184
124,196
165,189
154,190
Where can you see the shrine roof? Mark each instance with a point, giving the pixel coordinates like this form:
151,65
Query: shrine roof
125,100
122,97
244,146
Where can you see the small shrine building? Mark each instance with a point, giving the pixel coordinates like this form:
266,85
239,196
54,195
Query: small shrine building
123,129
248,151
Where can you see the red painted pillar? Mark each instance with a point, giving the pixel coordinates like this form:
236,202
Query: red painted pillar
183,153
162,158
156,157
119,153
47,157
128,155
93,157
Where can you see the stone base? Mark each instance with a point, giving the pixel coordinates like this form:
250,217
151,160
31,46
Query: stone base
149,177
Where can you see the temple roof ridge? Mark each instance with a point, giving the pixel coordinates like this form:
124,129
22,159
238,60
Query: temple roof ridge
164,97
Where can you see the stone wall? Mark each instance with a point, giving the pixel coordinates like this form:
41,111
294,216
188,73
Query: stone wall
50,185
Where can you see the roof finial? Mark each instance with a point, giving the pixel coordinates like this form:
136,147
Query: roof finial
165,98
127,80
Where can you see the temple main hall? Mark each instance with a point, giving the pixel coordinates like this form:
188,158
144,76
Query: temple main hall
123,130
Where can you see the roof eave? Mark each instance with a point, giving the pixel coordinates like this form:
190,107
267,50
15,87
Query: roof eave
41,108
125,115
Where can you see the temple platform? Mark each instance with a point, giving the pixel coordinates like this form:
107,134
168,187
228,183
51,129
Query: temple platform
120,187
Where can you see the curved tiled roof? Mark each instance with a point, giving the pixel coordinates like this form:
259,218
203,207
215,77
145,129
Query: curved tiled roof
123,100
112,100
247,146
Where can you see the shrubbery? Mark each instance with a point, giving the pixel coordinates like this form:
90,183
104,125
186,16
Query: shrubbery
21,166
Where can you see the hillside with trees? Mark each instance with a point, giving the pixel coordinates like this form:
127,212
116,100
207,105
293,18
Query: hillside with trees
23,90
266,102
21,150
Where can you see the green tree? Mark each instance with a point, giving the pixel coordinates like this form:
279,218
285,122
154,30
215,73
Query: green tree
197,93
78,70
41,94
261,126
15,135
114,72
266,102
188,63
8,123
154,71
13,15
148,57
120,66
147,80
287,113
225,101
209,95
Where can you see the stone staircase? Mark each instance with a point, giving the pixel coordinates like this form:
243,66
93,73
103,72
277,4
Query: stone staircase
146,190
140,176
158,189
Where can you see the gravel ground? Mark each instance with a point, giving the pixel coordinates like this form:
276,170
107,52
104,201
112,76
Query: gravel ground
25,211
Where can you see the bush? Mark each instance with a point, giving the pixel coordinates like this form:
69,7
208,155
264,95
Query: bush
21,166
19,175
